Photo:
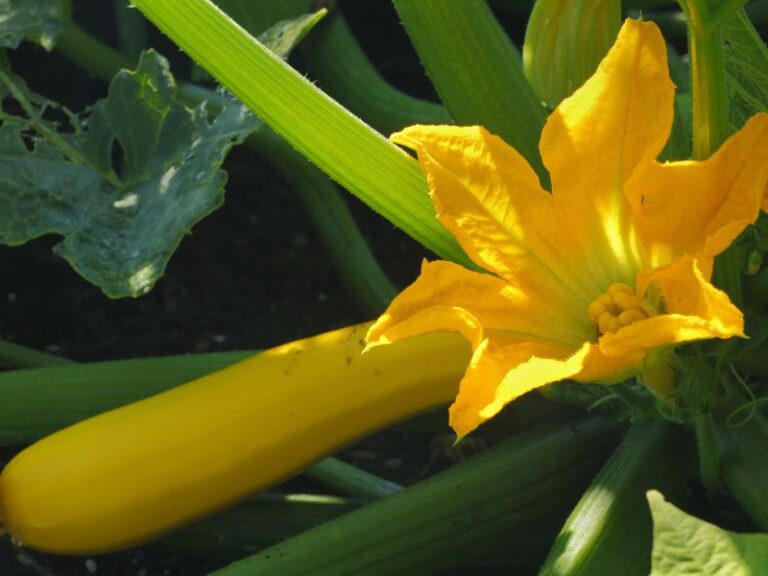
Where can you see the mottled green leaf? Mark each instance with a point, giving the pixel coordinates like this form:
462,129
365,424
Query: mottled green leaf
685,545
36,20
123,184
746,67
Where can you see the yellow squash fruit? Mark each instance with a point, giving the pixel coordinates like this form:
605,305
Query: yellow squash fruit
133,473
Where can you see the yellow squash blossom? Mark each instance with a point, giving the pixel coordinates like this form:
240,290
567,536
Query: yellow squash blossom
595,281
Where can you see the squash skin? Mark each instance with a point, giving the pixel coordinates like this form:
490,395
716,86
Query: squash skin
133,473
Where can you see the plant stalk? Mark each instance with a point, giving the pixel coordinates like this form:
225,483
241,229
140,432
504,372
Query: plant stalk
349,151
522,486
610,529
476,70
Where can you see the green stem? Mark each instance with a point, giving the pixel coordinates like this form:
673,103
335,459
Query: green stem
520,486
351,480
709,460
744,465
334,56
710,98
723,11
38,401
261,522
710,113
476,70
16,356
638,401
92,55
609,530
358,269
360,159
131,29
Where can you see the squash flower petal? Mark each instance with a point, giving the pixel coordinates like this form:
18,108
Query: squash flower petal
590,281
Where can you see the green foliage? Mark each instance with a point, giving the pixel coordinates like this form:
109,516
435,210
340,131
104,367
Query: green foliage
746,68
683,544
609,530
352,153
36,20
257,17
476,71
284,35
121,218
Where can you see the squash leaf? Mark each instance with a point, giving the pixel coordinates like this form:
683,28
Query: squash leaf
123,183
685,545
35,20
746,66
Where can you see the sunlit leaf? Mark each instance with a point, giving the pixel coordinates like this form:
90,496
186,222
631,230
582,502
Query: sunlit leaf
122,185
683,544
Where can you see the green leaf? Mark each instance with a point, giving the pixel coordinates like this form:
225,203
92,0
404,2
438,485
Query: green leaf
286,34
746,69
257,16
379,173
121,220
683,544
35,20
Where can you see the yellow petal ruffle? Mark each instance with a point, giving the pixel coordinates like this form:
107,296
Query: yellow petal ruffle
700,208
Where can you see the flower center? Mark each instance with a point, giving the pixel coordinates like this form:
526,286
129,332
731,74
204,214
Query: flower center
617,307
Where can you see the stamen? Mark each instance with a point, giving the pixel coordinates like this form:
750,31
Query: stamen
617,307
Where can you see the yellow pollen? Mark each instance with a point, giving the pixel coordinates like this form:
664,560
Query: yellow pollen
617,307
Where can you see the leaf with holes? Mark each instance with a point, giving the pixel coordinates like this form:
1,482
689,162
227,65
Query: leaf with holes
36,20
122,184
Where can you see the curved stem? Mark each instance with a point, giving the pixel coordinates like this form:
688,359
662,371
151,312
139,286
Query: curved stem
710,99
710,113
333,55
